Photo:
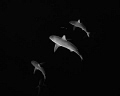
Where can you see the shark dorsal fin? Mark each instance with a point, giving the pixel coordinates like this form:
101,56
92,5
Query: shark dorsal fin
64,38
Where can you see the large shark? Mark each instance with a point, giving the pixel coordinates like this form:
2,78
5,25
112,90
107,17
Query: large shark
64,43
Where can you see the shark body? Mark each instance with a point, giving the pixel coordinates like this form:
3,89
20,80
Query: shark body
80,25
38,67
64,43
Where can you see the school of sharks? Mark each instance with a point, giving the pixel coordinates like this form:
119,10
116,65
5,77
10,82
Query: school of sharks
62,42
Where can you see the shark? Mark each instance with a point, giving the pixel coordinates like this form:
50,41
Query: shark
63,42
38,67
80,25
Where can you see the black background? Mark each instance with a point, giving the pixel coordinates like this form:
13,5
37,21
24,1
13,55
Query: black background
25,28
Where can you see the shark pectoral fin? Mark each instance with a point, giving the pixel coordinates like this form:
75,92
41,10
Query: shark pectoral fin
56,47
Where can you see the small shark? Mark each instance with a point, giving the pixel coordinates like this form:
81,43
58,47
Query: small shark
38,67
64,43
80,25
